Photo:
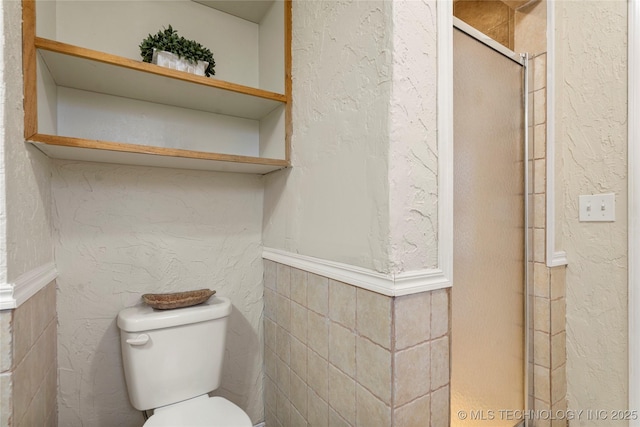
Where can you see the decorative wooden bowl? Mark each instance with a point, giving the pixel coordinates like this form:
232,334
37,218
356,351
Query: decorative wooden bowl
177,299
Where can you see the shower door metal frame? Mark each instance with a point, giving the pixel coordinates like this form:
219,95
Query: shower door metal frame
521,59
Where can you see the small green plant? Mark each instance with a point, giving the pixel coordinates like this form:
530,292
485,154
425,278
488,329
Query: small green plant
169,40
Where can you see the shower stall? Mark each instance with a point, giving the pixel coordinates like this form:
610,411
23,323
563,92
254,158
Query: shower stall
489,332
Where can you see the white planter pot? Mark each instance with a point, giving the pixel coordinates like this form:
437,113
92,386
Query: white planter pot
174,62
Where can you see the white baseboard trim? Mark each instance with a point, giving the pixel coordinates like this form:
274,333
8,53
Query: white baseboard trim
557,259
406,283
12,295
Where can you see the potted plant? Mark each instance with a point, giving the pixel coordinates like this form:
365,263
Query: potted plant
168,49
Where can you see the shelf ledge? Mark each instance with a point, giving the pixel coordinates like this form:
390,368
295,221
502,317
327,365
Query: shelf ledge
61,147
85,69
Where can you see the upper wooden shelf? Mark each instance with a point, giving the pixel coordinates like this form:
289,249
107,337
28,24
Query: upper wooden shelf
251,10
86,69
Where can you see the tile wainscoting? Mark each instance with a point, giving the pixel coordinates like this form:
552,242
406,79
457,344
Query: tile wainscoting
28,378
339,355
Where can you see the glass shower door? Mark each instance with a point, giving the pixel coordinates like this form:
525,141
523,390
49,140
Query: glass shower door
488,327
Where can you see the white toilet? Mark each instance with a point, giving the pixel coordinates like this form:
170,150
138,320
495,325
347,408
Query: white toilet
173,358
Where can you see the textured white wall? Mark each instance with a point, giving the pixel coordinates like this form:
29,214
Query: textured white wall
121,231
334,204
413,144
26,170
591,133
363,186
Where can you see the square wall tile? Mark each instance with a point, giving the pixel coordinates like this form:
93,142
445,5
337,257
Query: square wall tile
6,398
559,407
539,249
269,274
482,15
371,411
270,366
440,372
558,282
539,106
539,210
318,294
530,165
530,104
317,374
558,316
283,312
6,340
540,405
412,376
34,415
299,322
283,409
558,384
558,350
373,369
271,419
540,141
440,407
51,390
283,377
439,313
299,286
412,319
297,419
299,358
342,304
24,386
540,280
318,412
270,304
541,349
542,383
539,176
541,314
335,420
283,280
318,333
416,413
270,394
342,349
270,333
539,72
283,344
299,394
373,313
342,394
43,309
22,336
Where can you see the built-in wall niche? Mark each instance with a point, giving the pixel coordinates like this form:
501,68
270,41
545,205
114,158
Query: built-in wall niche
88,96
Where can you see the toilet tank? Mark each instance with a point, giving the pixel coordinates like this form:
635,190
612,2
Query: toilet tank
172,355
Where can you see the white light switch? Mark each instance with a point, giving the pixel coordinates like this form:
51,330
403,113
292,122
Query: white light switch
598,207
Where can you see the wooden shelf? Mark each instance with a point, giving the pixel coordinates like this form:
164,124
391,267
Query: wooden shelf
254,119
251,10
60,147
86,69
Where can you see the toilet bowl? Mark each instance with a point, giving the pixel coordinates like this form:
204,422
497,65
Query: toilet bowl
172,359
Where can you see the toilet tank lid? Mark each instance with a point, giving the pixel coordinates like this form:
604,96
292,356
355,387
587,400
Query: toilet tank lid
144,318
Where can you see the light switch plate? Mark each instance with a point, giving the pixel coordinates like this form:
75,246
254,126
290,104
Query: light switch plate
598,207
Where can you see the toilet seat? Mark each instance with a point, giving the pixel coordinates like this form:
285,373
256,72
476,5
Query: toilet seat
202,411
